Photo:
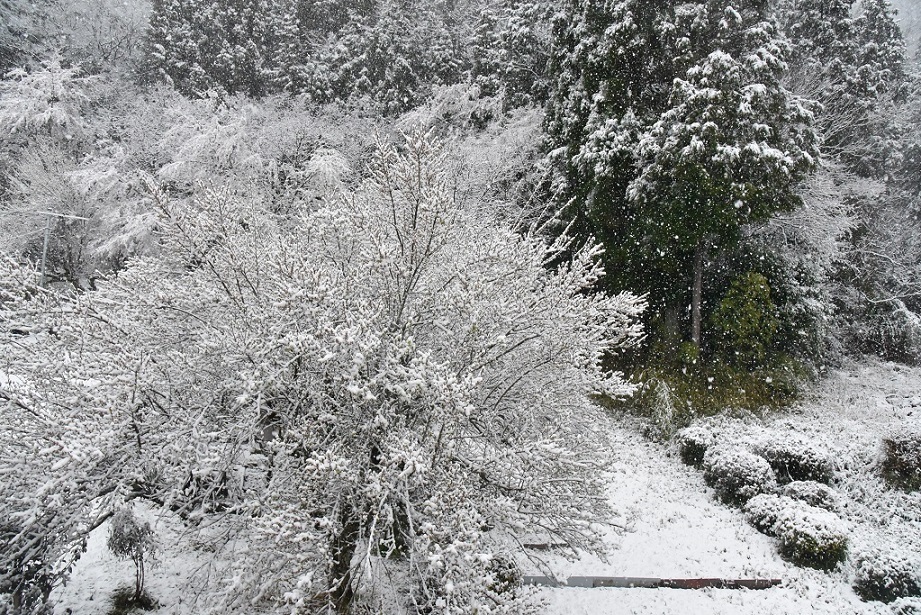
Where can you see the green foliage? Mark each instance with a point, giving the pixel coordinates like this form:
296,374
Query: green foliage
901,464
808,536
796,459
132,539
693,442
811,537
705,389
745,321
886,576
658,134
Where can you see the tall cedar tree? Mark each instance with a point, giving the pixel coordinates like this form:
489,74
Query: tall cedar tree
671,130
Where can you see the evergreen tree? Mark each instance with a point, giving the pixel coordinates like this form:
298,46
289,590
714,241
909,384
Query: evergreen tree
729,150
848,56
199,45
393,58
511,50
671,129
13,28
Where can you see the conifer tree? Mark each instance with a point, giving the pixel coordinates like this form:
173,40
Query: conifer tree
671,130
200,45
511,50
848,56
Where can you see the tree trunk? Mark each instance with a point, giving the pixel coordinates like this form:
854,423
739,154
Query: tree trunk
697,291
669,329
139,579
343,549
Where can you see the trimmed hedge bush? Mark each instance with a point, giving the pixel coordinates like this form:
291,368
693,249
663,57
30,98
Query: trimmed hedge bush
886,576
693,443
811,537
808,536
797,459
901,464
812,493
763,511
737,475
907,606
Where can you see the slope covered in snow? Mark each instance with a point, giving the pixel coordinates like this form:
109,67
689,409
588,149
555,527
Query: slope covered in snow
669,523
674,527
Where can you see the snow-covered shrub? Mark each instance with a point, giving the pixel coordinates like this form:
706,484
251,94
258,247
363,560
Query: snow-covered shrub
657,402
811,537
459,104
737,475
886,575
130,538
17,282
907,606
763,511
812,493
901,463
796,459
693,442
427,378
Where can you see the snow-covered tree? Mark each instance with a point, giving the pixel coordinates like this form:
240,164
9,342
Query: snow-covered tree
849,56
396,382
131,538
673,131
512,49
46,101
729,151
98,34
880,299
201,45
393,56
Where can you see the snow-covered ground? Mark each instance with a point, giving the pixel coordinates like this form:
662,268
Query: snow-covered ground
672,526
98,574
675,527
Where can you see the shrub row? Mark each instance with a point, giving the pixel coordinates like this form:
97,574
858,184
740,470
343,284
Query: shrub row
808,536
792,459
886,576
801,514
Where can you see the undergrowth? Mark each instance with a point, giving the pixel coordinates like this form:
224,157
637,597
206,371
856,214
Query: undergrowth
124,602
673,396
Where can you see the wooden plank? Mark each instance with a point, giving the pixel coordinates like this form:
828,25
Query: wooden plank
720,583
652,582
625,582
